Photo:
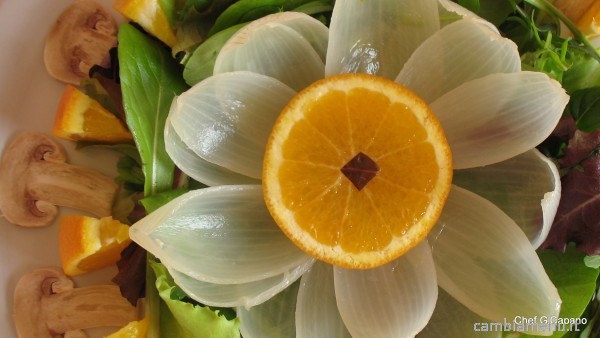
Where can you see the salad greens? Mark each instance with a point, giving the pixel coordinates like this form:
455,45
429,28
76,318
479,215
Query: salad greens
150,78
249,10
584,106
191,20
181,317
200,62
575,281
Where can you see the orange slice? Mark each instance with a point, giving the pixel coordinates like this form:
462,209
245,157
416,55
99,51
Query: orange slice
573,9
81,118
356,170
137,329
589,23
87,244
149,15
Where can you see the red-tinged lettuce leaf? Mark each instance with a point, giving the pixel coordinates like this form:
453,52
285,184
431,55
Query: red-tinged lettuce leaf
582,146
104,85
565,129
131,277
578,216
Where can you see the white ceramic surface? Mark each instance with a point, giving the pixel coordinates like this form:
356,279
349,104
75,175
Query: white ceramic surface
28,99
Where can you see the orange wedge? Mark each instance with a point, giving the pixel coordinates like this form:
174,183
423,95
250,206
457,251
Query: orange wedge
137,329
573,9
149,15
356,170
81,118
87,244
589,23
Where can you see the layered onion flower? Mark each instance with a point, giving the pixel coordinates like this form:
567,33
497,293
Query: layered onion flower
224,249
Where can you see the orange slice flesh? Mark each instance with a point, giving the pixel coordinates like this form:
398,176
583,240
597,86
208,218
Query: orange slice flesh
87,244
589,23
81,118
149,15
356,170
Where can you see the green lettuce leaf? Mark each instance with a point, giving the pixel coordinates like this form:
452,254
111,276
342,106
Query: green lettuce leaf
156,201
584,73
249,10
191,20
150,79
472,5
179,318
575,281
592,261
200,64
584,106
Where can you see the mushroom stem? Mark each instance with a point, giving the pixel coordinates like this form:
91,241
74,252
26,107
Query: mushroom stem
87,307
72,186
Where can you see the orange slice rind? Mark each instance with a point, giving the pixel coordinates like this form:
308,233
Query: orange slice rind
356,170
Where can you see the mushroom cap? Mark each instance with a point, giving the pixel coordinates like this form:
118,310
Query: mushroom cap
16,202
81,38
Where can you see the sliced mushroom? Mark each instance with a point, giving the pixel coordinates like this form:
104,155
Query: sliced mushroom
46,305
81,38
34,178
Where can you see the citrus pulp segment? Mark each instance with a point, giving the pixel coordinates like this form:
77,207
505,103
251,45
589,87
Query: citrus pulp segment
81,118
87,244
356,170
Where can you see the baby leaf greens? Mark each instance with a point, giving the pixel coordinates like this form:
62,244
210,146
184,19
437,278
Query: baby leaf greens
584,106
199,64
150,78
249,10
191,20
180,318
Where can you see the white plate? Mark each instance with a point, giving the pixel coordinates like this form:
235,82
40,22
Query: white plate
28,99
